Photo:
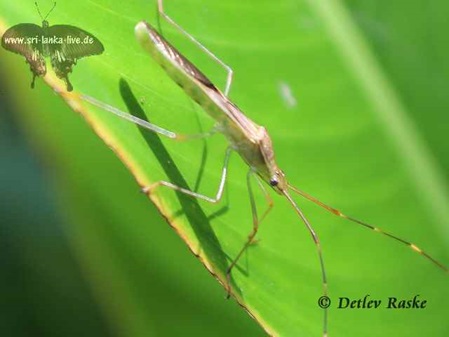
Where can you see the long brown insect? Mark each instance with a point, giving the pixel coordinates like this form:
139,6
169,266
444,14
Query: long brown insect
251,141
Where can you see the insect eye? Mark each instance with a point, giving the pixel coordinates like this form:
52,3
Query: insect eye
274,181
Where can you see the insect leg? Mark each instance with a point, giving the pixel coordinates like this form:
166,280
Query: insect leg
215,199
256,223
267,196
203,48
316,240
141,122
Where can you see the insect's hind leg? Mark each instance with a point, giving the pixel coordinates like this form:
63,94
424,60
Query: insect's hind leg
203,48
138,121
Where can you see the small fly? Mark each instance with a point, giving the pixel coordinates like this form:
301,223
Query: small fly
251,141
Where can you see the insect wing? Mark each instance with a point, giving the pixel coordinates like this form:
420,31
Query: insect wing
145,33
26,39
77,43
70,43
23,39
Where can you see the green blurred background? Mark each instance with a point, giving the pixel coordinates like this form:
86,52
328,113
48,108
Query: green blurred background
68,264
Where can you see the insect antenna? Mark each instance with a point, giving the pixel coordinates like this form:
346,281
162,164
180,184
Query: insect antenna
373,228
316,240
40,14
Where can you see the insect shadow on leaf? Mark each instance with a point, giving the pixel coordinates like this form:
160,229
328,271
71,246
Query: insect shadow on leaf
210,246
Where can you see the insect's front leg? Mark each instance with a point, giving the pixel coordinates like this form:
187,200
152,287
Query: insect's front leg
256,223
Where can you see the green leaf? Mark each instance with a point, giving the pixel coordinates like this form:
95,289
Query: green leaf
343,128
